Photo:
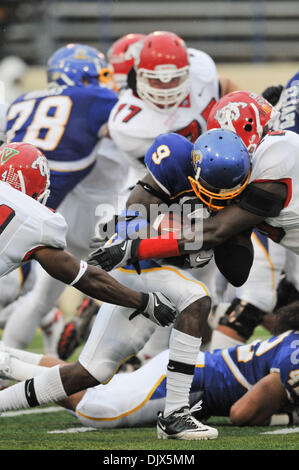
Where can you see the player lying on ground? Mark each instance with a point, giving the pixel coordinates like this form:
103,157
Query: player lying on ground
254,384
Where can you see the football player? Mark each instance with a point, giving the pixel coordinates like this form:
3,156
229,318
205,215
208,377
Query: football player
29,230
68,122
65,120
254,384
267,197
32,231
171,89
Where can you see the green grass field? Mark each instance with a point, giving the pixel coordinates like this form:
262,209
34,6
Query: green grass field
59,430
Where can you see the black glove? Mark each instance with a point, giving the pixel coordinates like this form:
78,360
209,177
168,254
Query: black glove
157,307
272,94
116,255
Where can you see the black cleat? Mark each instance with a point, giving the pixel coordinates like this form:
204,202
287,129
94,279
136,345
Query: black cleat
182,425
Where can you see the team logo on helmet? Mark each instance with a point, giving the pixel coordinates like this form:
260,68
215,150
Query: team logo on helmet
229,113
80,53
196,160
7,153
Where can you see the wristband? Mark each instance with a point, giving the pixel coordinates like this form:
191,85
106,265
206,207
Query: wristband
158,248
83,267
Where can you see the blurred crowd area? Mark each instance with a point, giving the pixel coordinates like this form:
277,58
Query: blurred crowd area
256,41
230,31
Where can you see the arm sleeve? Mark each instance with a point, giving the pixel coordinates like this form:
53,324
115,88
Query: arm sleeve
36,233
103,103
54,231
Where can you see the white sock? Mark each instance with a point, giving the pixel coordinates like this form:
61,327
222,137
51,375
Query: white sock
222,341
25,356
40,390
21,370
183,353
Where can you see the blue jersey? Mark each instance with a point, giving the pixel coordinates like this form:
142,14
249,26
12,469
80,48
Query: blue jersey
64,123
289,109
169,161
224,376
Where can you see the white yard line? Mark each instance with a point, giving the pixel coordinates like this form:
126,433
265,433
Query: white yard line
52,409
282,431
71,430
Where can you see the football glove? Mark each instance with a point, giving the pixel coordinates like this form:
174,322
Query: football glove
116,255
157,308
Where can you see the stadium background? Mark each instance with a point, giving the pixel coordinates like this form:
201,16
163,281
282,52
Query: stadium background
255,42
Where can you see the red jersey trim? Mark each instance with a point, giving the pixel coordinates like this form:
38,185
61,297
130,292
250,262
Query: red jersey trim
30,253
286,181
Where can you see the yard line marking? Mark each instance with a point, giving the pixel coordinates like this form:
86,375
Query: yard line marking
51,409
282,431
71,430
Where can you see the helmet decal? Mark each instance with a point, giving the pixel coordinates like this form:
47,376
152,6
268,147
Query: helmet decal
246,113
27,172
7,153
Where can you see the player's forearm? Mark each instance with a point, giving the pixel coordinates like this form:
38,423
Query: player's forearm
92,281
100,285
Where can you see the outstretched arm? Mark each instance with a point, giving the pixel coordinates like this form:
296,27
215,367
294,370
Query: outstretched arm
98,284
265,398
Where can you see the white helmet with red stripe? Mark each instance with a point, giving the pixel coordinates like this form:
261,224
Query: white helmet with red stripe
162,70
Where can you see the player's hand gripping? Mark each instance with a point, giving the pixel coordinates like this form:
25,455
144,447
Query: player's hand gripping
115,255
156,307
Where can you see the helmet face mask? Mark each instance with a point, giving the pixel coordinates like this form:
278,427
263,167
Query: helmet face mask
25,168
79,65
162,70
247,114
222,168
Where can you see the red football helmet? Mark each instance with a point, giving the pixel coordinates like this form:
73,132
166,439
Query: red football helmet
25,167
246,113
120,59
162,70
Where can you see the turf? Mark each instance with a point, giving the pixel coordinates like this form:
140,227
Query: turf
35,432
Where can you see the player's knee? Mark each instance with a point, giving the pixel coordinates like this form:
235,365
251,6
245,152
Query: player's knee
105,369
242,317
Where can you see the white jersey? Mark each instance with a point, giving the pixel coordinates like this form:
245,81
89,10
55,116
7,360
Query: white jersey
277,159
134,124
25,226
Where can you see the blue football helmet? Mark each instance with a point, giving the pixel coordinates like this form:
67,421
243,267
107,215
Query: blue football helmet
80,65
221,166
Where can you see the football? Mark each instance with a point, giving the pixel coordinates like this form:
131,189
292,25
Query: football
169,223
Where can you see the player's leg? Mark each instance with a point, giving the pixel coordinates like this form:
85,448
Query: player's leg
30,309
129,399
20,365
114,337
193,303
254,300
